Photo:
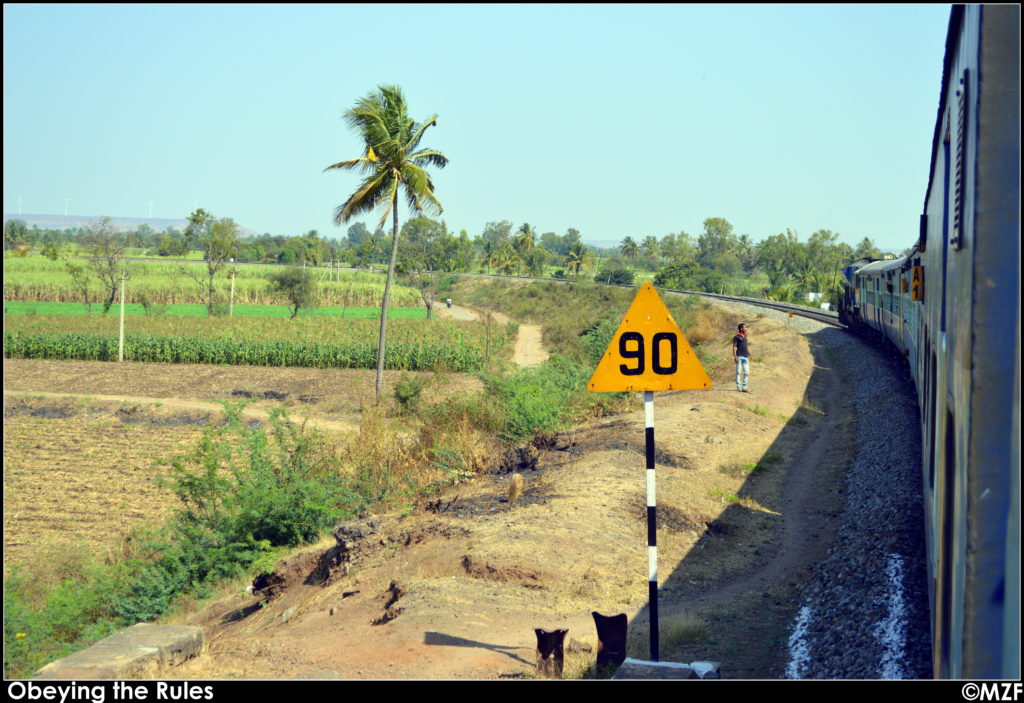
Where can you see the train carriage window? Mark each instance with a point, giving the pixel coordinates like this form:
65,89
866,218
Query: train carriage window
960,174
945,225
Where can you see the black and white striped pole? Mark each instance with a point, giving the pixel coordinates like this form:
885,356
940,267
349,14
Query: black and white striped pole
649,353
652,521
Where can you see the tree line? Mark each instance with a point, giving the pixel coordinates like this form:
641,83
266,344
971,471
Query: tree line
716,260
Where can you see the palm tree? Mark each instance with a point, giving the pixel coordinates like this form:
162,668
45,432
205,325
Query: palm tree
535,261
525,241
507,259
578,257
393,163
867,249
629,248
489,255
650,246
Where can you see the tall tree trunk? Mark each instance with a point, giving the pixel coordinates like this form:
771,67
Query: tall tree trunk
209,299
384,306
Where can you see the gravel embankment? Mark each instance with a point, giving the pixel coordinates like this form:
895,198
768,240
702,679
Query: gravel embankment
865,611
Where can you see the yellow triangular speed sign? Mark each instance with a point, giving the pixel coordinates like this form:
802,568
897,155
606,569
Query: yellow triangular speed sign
648,352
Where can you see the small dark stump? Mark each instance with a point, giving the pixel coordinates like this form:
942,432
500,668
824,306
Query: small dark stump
550,653
611,641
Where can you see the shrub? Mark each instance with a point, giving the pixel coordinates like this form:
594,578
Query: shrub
243,493
616,275
297,285
595,339
538,399
408,391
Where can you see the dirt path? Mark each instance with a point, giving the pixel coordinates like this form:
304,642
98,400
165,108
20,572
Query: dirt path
529,349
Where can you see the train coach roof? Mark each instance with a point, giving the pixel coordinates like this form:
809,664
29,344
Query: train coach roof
881,266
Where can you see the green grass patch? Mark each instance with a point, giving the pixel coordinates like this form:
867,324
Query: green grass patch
38,279
725,496
743,470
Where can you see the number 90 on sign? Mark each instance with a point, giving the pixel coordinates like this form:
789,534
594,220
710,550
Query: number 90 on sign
664,360
648,352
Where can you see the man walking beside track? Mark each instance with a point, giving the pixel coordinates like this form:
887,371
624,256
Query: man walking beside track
741,355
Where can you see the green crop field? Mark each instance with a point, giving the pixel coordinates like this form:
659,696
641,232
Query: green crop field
317,342
38,279
197,310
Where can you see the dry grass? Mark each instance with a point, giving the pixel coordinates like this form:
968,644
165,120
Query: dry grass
673,632
707,328
89,476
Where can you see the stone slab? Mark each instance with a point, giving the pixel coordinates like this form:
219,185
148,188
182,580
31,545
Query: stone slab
141,651
639,669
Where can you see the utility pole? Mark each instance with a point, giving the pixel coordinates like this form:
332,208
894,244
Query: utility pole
120,337
835,284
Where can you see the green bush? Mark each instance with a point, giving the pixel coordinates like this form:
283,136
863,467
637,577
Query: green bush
616,275
595,339
538,399
44,623
242,495
478,410
409,390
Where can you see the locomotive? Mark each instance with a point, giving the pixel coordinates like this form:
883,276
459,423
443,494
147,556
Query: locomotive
951,308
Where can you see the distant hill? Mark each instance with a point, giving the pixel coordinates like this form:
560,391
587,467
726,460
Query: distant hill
122,223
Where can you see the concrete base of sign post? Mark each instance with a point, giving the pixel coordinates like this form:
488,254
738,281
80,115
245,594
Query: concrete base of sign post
639,669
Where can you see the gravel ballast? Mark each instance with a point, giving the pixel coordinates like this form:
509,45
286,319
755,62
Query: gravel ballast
864,612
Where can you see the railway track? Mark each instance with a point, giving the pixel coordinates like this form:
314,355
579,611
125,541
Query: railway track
829,318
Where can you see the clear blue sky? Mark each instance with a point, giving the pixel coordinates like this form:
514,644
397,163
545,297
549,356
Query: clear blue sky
614,119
